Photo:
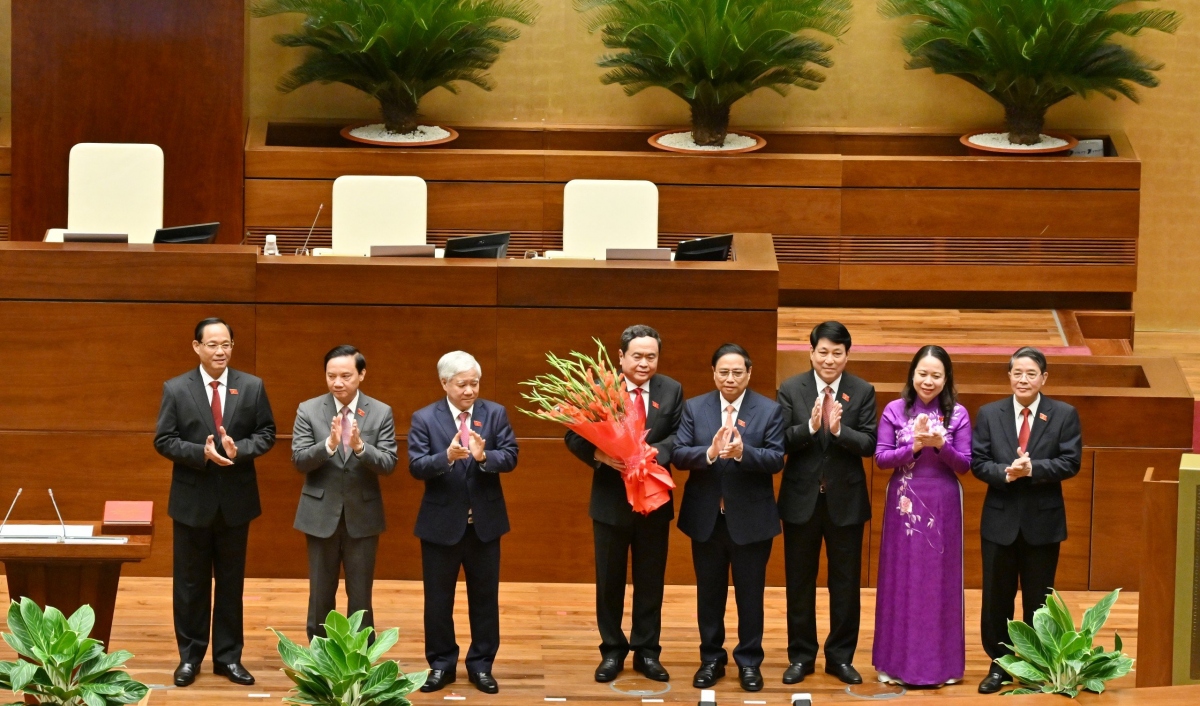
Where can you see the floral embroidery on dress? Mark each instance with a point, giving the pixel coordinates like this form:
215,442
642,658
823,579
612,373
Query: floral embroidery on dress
917,516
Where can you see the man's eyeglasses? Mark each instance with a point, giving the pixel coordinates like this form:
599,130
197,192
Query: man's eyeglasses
1024,375
223,346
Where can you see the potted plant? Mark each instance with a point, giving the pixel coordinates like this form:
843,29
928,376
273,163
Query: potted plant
341,669
1053,657
1029,55
712,53
396,51
62,664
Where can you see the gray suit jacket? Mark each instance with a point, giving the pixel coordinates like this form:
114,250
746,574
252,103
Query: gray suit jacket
342,483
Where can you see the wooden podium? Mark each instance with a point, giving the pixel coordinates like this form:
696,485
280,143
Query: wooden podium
70,575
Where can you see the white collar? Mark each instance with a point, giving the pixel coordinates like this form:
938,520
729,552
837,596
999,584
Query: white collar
644,387
455,411
836,384
353,403
737,404
1033,406
208,379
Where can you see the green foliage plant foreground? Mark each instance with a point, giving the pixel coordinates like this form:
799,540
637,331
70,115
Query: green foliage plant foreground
396,51
1054,657
62,664
712,53
1031,54
341,669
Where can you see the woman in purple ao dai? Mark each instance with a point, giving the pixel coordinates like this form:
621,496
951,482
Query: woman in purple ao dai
926,437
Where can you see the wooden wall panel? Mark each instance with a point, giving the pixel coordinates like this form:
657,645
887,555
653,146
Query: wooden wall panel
1156,560
402,346
101,366
1116,521
744,209
168,73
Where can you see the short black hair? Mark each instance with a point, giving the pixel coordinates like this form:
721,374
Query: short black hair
833,331
726,349
1031,353
360,361
638,331
209,322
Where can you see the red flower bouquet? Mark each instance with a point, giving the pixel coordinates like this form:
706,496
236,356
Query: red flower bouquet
589,397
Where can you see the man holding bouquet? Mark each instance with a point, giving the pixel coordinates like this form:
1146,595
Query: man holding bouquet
618,530
731,439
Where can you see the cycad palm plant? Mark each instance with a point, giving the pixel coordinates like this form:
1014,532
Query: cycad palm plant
711,53
1030,54
398,50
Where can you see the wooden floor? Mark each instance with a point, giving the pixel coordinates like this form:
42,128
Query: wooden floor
917,327
548,646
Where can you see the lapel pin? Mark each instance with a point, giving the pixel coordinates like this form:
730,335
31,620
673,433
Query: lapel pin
232,391
1042,417
653,404
477,423
742,423
362,413
845,397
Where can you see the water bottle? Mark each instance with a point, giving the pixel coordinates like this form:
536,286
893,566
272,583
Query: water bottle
271,247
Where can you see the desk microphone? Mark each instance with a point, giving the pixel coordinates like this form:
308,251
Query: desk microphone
63,538
304,248
10,509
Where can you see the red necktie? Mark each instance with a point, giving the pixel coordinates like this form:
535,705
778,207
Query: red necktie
464,436
216,405
1023,437
827,406
638,410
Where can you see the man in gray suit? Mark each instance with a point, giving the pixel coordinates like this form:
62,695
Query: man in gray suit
342,442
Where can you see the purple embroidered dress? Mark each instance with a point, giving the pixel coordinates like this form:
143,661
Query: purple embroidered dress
919,636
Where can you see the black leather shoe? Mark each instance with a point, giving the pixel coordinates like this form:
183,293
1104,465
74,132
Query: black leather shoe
796,672
484,682
993,681
437,679
650,668
751,679
608,669
185,673
846,672
235,672
708,674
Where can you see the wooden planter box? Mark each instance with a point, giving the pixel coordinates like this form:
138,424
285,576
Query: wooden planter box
859,217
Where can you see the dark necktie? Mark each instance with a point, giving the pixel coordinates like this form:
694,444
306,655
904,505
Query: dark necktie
216,405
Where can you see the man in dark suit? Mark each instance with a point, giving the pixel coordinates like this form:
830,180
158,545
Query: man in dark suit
1023,447
731,439
618,531
342,442
459,445
831,427
214,421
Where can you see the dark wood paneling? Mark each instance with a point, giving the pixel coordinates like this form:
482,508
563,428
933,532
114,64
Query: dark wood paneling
663,168
904,171
902,276
1156,559
168,73
402,346
729,209
358,280
99,271
101,366
1116,521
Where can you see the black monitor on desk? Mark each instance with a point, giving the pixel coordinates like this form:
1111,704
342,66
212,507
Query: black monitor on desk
712,249
489,246
201,233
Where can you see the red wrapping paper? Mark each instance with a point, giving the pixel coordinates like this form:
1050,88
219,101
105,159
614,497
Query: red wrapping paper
647,484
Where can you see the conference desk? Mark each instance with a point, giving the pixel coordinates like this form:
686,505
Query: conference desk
93,330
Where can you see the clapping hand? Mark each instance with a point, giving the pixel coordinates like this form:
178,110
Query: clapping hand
210,452
477,443
733,446
228,445
456,452
814,421
1022,467
835,419
920,432
720,440
357,445
335,434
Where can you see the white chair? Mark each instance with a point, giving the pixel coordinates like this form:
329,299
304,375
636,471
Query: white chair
114,188
604,213
377,210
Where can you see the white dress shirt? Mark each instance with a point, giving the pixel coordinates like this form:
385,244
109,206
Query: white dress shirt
737,408
645,388
223,388
1033,408
820,392
454,412
339,407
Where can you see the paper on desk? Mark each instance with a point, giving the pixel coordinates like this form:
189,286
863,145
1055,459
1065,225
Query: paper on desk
45,531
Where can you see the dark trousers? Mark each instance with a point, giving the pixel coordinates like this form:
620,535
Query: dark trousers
647,538
713,560
802,559
1033,566
202,555
326,557
480,562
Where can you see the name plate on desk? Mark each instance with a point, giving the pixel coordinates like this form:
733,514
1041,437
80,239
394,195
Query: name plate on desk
44,531
100,539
